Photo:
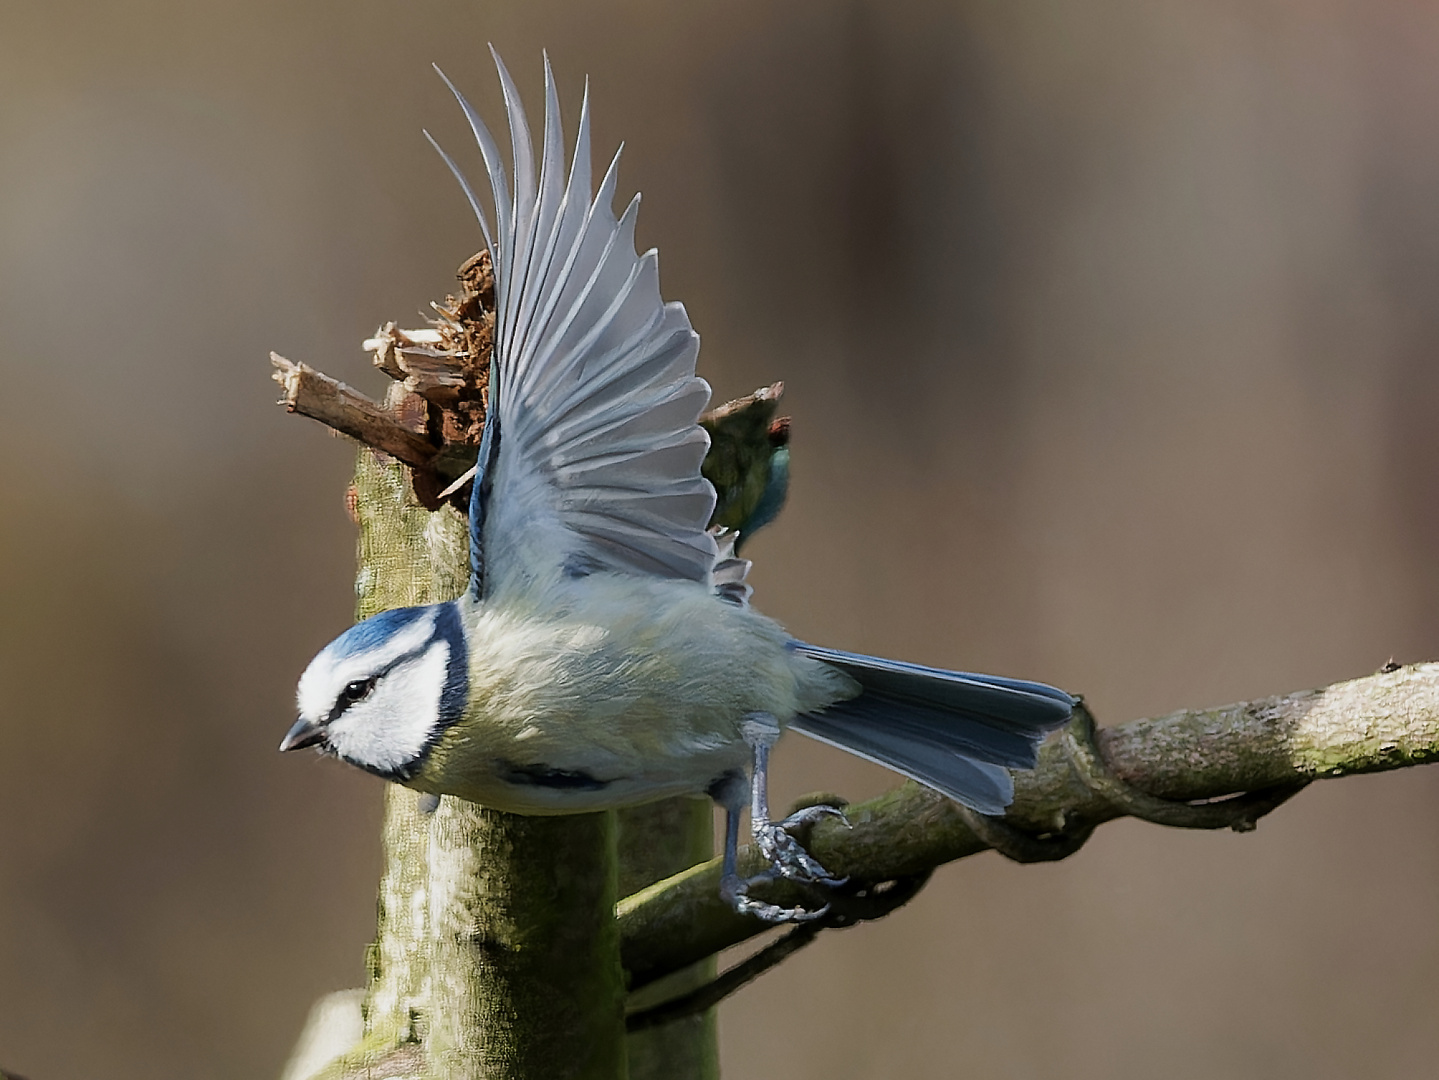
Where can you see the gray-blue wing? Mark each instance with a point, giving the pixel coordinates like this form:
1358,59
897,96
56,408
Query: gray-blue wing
593,450
957,732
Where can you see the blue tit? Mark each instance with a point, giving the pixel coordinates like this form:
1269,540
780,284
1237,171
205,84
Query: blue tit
748,461
605,653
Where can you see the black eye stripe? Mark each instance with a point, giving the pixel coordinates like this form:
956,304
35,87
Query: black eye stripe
363,687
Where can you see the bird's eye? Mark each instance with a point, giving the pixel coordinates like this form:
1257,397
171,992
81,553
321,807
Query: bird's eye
357,690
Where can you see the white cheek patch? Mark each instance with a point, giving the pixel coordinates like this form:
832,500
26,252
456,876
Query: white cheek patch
389,729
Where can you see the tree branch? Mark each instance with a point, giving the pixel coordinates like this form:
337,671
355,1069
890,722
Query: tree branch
1148,768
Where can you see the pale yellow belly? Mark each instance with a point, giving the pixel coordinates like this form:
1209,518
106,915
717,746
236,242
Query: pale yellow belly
636,693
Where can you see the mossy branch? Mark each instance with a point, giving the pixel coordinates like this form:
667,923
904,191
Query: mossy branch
1149,768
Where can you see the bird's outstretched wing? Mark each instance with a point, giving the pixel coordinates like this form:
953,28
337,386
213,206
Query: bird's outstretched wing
591,453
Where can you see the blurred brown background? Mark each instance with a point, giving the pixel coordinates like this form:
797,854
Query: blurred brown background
1109,331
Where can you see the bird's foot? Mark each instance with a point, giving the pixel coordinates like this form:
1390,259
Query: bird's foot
787,856
784,853
787,859
734,890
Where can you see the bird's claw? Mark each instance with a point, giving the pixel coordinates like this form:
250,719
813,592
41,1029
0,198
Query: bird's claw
735,892
787,856
808,815
773,913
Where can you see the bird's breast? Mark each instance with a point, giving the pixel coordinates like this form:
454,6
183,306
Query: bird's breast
621,695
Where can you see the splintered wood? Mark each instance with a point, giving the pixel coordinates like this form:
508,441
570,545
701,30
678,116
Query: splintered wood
434,414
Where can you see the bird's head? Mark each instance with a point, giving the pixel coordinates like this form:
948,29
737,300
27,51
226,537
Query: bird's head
381,693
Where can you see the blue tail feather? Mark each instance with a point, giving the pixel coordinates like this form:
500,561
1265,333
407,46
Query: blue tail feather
953,731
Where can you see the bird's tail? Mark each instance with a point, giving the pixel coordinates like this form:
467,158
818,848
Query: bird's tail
955,732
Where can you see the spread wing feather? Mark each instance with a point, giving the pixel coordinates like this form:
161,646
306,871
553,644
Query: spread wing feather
594,446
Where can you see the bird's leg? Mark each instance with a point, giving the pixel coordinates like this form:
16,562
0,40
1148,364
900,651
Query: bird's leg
787,858
731,791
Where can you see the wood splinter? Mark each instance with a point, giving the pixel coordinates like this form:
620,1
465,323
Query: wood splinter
421,361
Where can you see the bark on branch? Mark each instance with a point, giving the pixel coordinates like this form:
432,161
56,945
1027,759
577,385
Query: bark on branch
1385,721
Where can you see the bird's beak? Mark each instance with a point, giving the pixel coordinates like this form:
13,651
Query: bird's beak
304,733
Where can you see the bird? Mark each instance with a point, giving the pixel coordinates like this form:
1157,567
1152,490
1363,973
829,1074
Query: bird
605,652
748,462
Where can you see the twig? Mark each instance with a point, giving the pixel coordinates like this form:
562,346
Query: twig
1267,748
314,394
722,986
847,908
